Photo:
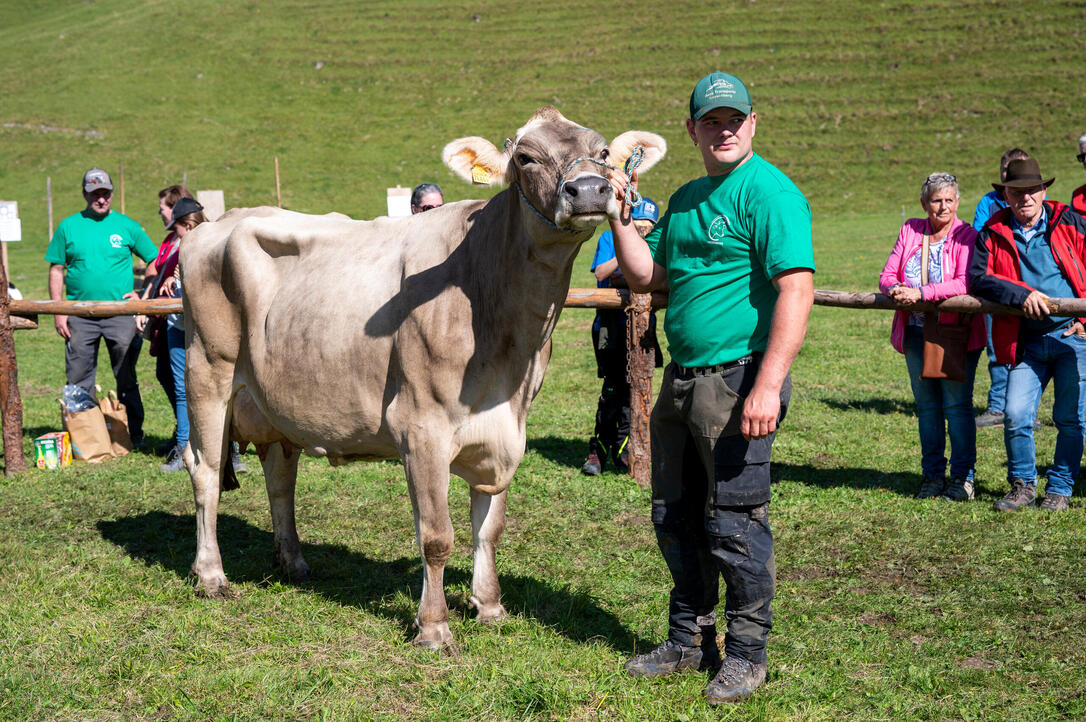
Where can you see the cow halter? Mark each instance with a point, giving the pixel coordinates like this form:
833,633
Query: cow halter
633,198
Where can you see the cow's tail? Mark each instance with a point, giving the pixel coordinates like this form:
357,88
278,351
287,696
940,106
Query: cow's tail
228,477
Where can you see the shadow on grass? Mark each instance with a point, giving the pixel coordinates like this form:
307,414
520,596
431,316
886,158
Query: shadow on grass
873,405
560,449
350,578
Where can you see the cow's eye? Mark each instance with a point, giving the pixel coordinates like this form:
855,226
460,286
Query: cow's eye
604,153
524,159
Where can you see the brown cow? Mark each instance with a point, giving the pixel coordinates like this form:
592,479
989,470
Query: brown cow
423,338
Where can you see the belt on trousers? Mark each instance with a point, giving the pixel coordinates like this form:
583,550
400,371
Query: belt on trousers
687,372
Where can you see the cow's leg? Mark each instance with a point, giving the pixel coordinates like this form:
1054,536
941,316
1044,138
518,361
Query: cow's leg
203,458
280,476
428,481
209,385
487,525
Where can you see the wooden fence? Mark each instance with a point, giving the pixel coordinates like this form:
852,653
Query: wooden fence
22,314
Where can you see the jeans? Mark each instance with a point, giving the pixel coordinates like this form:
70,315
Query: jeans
943,407
997,394
164,374
175,344
1062,360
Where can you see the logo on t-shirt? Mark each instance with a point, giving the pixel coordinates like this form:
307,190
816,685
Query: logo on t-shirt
116,240
718,229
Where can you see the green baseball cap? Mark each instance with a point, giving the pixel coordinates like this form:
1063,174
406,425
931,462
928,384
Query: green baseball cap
719,90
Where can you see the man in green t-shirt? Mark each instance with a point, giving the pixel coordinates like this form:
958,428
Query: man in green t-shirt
90,255
734,249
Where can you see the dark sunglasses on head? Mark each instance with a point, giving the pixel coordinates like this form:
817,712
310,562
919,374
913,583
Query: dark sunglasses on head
1081,157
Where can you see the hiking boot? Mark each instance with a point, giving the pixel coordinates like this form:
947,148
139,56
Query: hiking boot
1055,502
931,486
174,462
1020,495
235,459
666,659
958,490
592,465
736,680
989,418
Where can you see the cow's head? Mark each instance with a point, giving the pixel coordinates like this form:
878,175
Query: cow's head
551,162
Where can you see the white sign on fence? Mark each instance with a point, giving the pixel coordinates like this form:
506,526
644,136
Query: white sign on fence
11,228
213,202
399,201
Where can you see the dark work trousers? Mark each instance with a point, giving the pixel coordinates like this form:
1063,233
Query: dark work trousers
123,345
710,508
612,431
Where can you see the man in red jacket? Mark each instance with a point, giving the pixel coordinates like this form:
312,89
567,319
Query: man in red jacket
1033,250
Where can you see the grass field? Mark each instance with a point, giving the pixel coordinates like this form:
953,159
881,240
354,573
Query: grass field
887,607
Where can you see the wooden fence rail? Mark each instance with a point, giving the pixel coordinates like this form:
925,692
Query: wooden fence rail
22,314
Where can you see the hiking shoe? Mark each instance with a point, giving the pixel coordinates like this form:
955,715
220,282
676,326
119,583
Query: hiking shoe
174,462
736,680
592,465
668,658
235,459
989,418
1055,502
931,486
1020,495
958,490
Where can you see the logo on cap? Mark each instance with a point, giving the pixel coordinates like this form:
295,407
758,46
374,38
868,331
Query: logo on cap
719,87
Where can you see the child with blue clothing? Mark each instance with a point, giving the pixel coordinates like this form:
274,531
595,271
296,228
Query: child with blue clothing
611,436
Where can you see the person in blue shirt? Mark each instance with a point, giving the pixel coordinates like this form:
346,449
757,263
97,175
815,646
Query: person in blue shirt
611,436
989,204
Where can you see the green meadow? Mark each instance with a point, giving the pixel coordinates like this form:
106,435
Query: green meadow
887,607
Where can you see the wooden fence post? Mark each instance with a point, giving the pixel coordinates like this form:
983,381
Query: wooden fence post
11,403
640,364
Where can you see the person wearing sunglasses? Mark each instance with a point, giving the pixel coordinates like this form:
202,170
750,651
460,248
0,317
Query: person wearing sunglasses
426,197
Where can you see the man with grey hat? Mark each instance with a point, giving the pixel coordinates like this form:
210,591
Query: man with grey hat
1033,250
734,248
90,256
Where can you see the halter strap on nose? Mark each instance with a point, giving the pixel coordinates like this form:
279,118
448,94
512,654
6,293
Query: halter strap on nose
633,198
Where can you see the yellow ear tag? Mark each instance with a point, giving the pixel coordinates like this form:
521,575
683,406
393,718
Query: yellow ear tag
480,175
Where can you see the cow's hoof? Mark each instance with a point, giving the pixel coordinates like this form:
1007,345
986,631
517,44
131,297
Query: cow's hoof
490,613
436,637
296,571
214,590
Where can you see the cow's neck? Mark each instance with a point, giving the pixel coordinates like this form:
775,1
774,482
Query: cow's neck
533,271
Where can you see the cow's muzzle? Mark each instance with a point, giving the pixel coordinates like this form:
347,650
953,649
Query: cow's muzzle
584,202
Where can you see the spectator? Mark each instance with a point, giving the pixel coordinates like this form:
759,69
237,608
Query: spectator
1078,196
997,372
154,328
1028,252
734,249
186,214
90,256
942,406
610,339
425,197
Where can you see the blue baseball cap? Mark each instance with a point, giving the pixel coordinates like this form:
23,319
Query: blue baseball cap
647,211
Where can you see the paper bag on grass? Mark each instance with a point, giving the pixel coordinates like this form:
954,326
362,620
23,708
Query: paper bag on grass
116,424
90,437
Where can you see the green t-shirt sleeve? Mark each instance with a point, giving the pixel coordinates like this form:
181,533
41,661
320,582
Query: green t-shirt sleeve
142,245
57,251
782,235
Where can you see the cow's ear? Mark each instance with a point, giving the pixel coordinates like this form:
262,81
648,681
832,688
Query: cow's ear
476,160
622,146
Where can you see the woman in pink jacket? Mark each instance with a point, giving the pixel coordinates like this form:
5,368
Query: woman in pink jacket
942,406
